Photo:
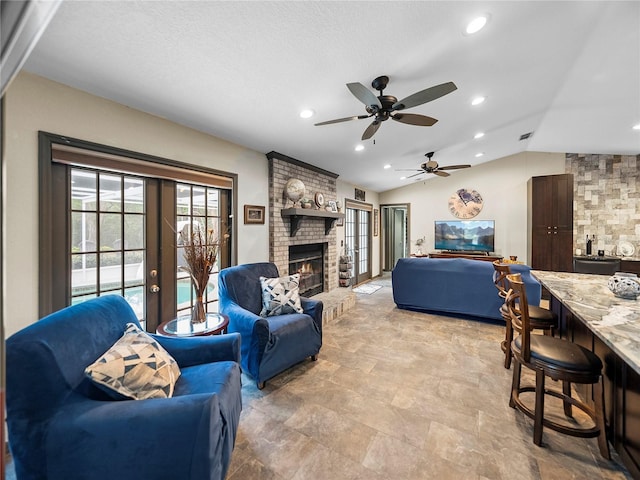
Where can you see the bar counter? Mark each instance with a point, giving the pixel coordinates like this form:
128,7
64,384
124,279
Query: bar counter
592,316
616,321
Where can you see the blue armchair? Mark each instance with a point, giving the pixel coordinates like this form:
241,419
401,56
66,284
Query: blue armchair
269,345
61,426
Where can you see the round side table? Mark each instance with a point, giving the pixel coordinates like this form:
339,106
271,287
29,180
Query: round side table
215,324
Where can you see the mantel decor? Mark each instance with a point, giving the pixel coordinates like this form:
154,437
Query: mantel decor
297,214
200,248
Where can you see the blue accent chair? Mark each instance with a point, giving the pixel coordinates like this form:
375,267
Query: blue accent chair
61,426
269,345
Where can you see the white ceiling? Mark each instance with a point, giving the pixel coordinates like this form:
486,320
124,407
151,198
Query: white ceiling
242,71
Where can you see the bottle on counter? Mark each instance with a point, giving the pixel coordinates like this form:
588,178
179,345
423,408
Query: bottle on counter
589,243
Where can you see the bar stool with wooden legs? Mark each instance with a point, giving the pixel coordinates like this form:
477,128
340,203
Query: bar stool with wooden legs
541,318
559,360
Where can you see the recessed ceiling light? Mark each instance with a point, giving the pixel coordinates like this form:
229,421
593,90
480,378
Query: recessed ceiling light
308,113
403,178
478,135
359,148
636,127
476,24
387,166
479,154
478,100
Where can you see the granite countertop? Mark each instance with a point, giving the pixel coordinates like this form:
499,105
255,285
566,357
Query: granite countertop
616,321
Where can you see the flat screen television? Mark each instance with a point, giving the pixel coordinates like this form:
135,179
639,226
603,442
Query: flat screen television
465,235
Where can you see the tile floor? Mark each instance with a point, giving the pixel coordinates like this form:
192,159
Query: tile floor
401,395
398,395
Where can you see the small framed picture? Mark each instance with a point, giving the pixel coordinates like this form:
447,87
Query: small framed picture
340,222
376,219
332,204
253,214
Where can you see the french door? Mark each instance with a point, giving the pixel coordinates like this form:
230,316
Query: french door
394,234
358,239
117,232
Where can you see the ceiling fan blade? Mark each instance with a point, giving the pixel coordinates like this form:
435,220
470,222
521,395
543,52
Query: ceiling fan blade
345,119
441,173
408,170
454,167
363,94
414,119
371,130
425,96
415,174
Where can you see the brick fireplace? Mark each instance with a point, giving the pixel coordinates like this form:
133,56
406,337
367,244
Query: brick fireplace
311,229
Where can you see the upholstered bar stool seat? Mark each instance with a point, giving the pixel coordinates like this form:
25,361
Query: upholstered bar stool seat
541,318
559,360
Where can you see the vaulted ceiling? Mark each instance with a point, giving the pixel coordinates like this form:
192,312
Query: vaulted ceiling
567,71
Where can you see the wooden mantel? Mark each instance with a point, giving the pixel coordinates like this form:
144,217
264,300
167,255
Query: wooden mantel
297,214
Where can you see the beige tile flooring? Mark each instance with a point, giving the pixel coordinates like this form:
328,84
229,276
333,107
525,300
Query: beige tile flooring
401,395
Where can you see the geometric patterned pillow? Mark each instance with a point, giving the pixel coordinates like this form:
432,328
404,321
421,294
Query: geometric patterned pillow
280,295
135,367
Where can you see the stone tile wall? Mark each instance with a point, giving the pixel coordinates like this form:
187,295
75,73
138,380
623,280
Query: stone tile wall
281,169
606,200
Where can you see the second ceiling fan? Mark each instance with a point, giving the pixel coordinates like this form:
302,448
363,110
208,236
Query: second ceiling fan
384,107
431,166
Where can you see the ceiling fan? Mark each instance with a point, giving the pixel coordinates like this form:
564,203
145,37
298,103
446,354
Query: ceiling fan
384,107
431,166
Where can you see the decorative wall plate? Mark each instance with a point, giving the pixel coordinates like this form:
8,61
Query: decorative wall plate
625,249
465,203
319,199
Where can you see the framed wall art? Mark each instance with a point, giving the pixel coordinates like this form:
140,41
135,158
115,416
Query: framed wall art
253,214
376,221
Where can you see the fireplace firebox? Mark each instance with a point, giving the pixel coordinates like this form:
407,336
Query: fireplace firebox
308,261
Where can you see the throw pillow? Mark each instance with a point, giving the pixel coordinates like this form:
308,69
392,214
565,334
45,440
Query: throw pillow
280,295
135,367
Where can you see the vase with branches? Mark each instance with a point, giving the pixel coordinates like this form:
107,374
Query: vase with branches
201,247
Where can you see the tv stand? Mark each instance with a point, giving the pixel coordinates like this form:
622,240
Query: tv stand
470,255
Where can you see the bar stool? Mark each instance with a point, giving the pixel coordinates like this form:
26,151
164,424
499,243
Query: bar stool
559,360
541,318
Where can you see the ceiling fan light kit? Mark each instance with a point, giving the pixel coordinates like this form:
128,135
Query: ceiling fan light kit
384,107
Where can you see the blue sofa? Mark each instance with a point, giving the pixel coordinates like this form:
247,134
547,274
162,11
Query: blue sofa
269,345
456,286
61,426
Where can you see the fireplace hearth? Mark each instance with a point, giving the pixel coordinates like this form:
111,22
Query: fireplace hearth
308,261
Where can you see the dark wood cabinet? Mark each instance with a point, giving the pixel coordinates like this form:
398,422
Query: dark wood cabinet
621,389
551,222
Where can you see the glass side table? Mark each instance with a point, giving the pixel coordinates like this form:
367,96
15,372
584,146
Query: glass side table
215,324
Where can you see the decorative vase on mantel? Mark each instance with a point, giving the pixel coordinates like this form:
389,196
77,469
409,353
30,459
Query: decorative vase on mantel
200,254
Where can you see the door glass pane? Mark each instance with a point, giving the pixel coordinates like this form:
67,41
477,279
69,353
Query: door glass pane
196,211
133,195
83,231
118,268
110,271
133,231
363,241
110,193
349,226
110,231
